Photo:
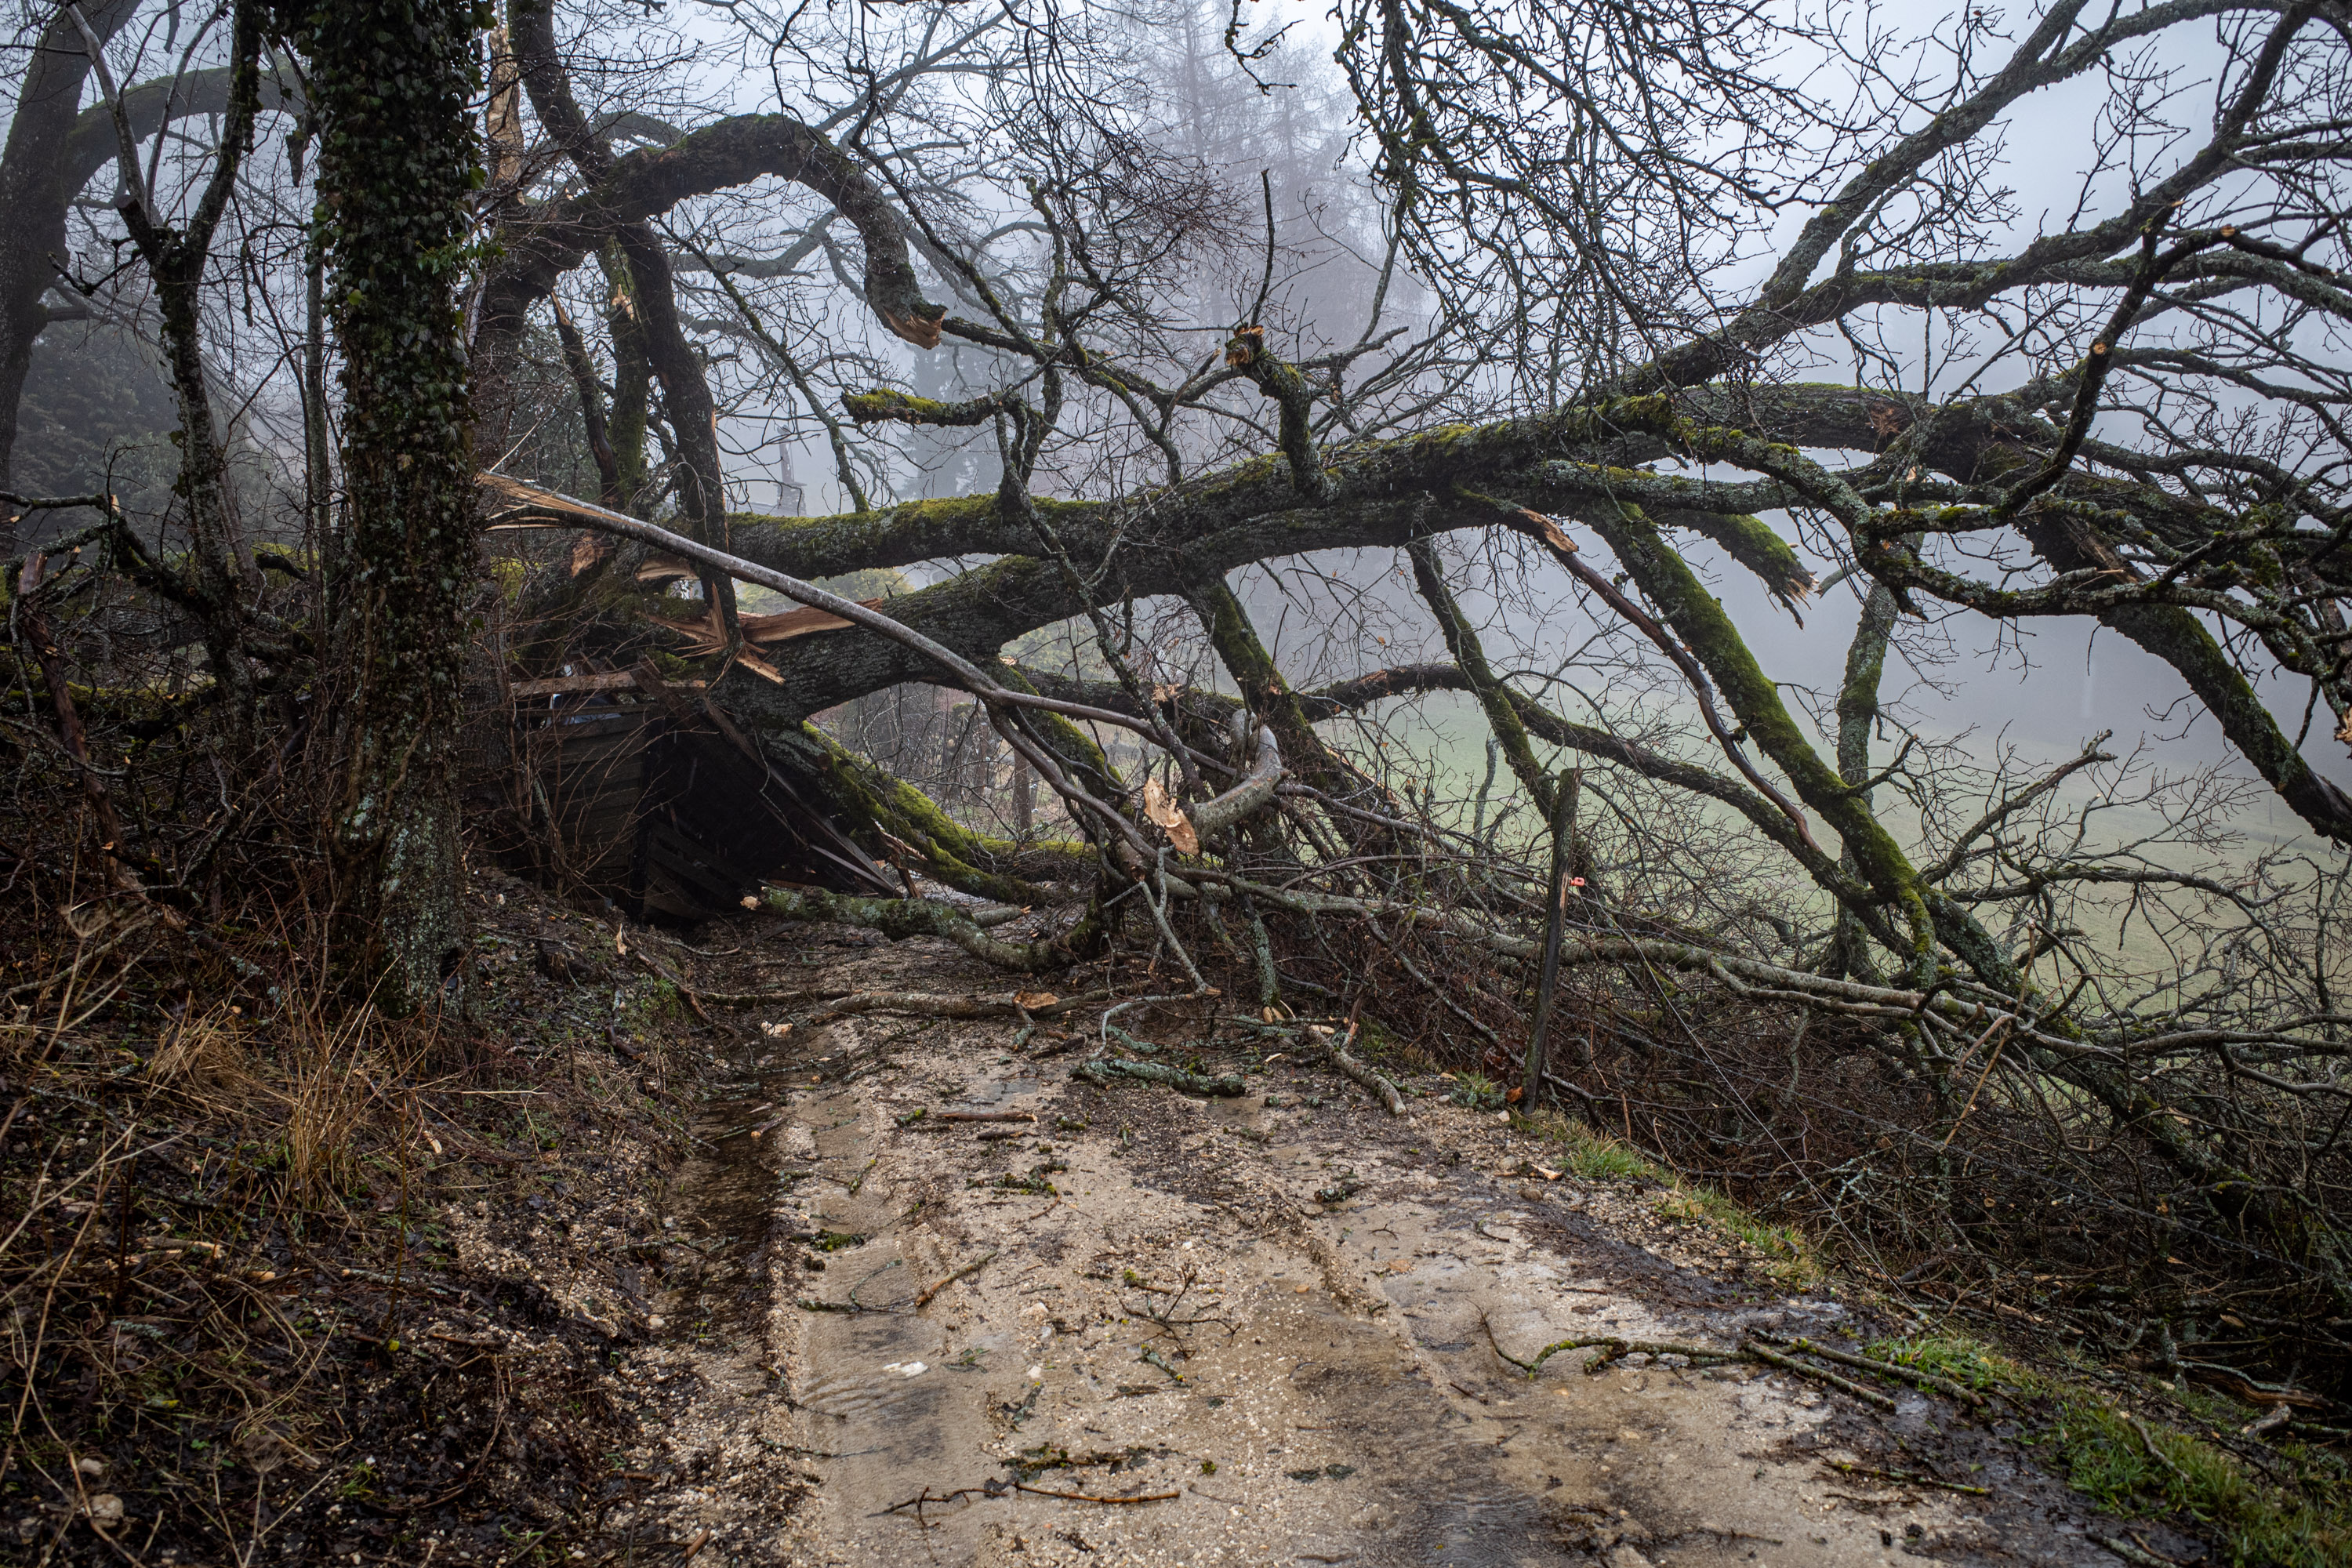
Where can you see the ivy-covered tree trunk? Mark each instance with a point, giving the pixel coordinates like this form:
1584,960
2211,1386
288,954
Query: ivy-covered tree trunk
399,162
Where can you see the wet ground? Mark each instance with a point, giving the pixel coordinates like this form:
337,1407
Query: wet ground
959,1307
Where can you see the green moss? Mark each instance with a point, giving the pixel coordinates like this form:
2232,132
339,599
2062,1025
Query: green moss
1699,618
1476,1091
2139,1468
873,802
1752,543
1594,1156
644,1005
1789,1258
867,407
1961,1360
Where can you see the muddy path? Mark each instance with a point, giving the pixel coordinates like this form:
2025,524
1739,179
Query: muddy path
960,1308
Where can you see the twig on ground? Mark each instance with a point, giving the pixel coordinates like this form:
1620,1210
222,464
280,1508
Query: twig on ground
974,1267
1900,1373
1819,1374
1380,1087
1614,1348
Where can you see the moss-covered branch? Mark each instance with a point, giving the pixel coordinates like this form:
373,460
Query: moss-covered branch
1275,705
899,918
1470,658
1700,620
877,809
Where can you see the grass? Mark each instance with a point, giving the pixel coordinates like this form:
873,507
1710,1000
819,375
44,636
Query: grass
1789,1258
2132,1466
1594,1156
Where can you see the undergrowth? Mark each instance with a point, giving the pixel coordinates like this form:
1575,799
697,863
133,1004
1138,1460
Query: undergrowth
237,1321
2298,1516
1594,1156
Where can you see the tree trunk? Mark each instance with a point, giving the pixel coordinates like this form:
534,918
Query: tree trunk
35,188
398,164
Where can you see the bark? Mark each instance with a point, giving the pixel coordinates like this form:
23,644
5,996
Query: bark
542,244
877,809
2178,637
36,187
632,382
1272,701
592,411
1205,711
1700,619
1857,712
52,154
177,258
1388,492
899,918
399,160
670,353
1470,658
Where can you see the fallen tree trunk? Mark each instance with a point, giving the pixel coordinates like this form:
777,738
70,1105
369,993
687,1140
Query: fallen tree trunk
899,918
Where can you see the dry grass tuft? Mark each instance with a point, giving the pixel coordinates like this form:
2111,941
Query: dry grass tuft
329,1081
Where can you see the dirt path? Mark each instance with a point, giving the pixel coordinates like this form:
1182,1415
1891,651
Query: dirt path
923,1329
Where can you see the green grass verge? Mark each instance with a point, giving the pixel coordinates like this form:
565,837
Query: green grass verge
2126,1464
2131,1465
1594,1156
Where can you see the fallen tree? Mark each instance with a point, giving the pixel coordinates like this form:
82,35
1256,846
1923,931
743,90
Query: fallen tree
1779,926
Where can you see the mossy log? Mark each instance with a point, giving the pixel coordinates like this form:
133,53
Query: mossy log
899,918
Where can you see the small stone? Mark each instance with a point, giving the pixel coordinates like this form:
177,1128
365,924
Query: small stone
105,1511
92,1468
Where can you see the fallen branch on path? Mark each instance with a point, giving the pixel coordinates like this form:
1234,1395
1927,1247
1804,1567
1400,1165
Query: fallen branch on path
1352,1067
974,1267
1927,1379
1613,1348
1378,1087
1819,1374
994,1488
1082,1497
